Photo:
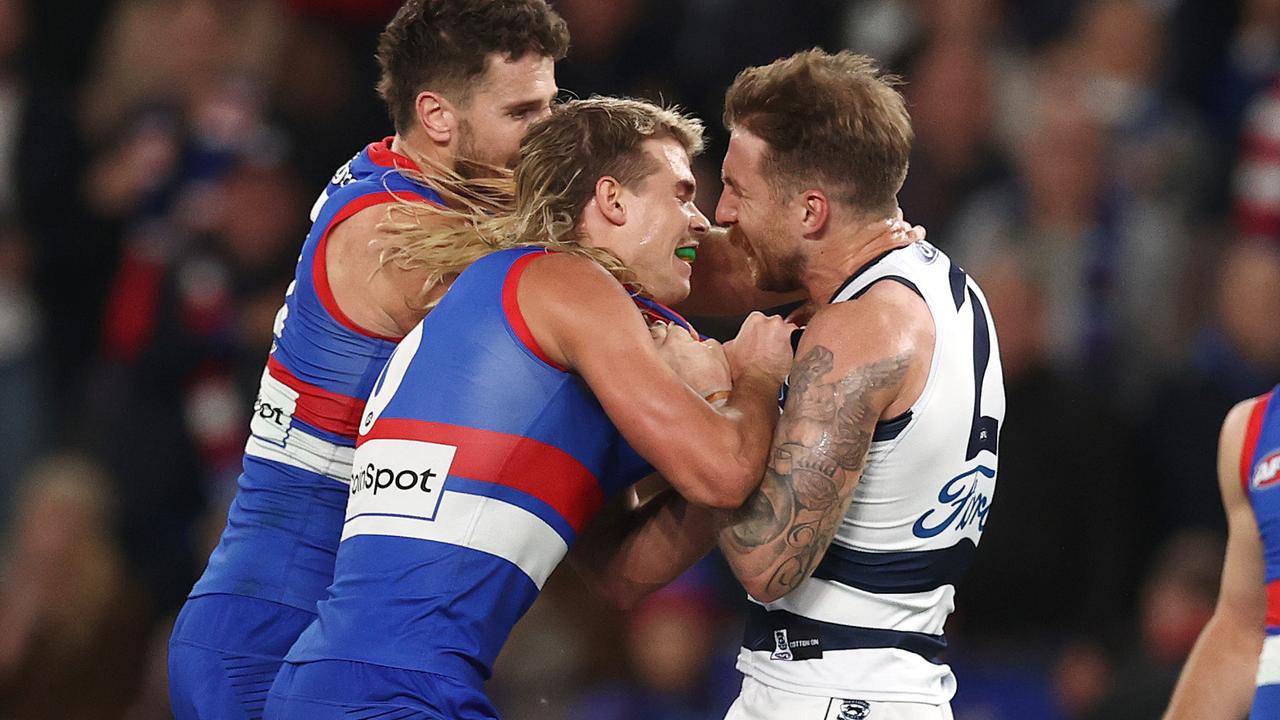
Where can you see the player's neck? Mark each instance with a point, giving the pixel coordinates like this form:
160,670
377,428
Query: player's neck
834,258
417,148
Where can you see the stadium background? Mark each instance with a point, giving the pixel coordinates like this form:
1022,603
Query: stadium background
1109,170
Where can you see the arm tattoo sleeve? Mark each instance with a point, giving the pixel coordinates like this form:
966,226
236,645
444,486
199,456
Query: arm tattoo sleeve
819,451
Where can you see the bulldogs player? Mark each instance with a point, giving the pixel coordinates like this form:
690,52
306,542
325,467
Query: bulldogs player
463,81
1235,666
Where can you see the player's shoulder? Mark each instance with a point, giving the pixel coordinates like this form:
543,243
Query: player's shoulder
1234,439
1236,424
887,312
572,275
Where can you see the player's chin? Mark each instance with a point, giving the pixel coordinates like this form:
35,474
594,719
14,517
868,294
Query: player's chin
672,291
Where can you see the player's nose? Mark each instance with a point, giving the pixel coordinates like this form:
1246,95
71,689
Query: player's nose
698,223
726,211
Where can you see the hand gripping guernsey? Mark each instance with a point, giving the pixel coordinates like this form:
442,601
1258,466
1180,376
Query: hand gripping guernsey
275,558
1260,475
868,625
479,462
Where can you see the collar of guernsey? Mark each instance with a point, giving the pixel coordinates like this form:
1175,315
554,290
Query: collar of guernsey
654,311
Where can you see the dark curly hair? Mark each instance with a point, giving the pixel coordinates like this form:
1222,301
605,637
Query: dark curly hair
443,44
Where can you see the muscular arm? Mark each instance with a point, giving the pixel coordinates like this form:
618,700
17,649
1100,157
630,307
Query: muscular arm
857,360
633,549
1218,679
380,299
582,318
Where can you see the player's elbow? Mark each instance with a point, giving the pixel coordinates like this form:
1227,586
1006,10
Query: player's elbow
723,487
722,480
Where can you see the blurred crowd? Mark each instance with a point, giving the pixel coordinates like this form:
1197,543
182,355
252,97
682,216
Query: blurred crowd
1109,170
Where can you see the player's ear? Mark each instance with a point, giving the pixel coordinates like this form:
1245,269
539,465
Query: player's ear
608,198
436,116
814,211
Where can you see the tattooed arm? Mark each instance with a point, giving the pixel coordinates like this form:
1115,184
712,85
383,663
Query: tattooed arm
858,361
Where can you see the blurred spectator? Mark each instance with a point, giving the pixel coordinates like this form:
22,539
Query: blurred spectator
567,638
1257,179
170,52
678,668
40,163
22,388
1061,497
1235,355
955,154
71,638
1177,600
1102,250
185,341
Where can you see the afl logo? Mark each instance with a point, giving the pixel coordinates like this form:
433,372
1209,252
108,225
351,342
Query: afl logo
1267,472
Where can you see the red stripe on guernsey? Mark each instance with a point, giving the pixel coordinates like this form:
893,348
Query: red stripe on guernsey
534,468
1273,603
324,409
319,273
381,154
511,307
1251,439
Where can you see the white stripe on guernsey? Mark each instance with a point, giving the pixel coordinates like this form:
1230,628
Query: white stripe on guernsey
1269,661
832,602
479,523
877,674
306,452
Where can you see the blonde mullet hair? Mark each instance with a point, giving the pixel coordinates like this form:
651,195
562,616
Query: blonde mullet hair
561,159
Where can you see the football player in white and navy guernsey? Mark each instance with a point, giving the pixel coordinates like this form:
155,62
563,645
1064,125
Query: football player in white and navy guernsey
883,464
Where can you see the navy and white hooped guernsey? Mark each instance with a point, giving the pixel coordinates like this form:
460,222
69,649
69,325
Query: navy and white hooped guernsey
869,622
283,526
1260,477
479,463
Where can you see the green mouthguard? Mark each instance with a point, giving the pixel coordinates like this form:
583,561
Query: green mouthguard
687,253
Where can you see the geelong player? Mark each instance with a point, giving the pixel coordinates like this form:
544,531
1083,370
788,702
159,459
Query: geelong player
883,465
463,80
530,397
1236,663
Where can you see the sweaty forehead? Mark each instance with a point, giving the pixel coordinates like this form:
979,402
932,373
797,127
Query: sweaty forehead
673,156
745,151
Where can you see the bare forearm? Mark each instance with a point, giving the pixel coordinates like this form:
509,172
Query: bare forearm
754,407
650,546
1218,680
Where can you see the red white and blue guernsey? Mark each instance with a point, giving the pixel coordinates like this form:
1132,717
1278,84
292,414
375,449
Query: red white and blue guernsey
1260,475
275,558
479,463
